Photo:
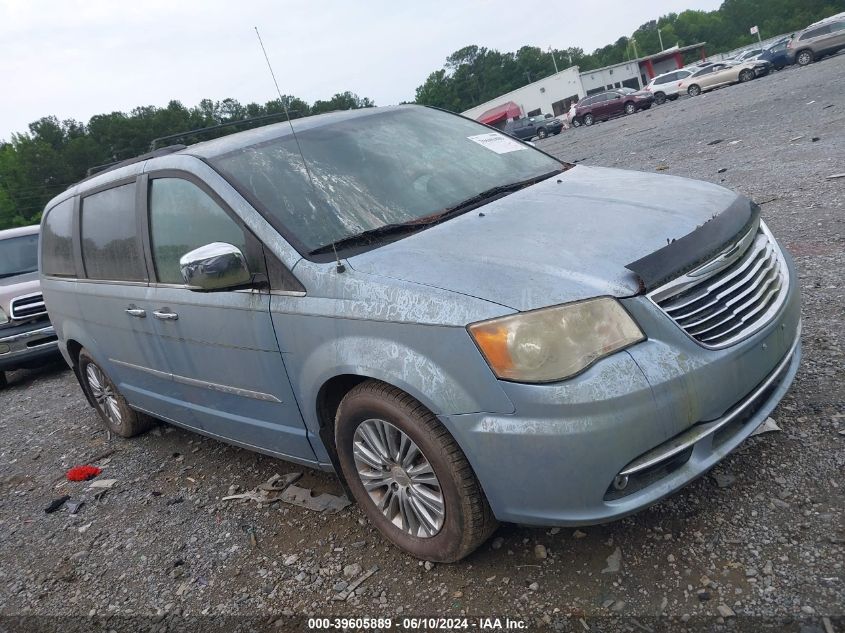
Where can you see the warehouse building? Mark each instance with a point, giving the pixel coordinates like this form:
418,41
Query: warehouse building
554,94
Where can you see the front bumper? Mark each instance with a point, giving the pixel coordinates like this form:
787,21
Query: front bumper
662,413
27,345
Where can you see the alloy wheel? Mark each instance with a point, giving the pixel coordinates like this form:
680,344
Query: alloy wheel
398,478
103,393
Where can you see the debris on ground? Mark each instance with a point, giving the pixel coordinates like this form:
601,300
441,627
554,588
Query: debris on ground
73,506
716,142
350,589
661,168
796,138
268,492
724,480
82,473
102,484
325,502
614,562
55,504
836,176
722,170
767,426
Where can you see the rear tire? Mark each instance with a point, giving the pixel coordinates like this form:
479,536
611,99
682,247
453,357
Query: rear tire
588,119
434,507
630,108
659,98
576,122
694,90
111,406
804,57
3,381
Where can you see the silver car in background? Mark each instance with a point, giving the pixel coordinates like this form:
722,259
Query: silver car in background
464,328
27,339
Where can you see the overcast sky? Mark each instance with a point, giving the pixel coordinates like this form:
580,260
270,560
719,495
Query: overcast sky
74,59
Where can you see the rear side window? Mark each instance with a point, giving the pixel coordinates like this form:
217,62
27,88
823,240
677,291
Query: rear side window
110,245
822,30
183,217
57,241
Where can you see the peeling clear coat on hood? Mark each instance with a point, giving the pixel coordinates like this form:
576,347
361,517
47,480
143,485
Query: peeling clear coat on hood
564,239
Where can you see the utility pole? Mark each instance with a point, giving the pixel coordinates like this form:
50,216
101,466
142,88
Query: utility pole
634,44
527,74
660,37
553,58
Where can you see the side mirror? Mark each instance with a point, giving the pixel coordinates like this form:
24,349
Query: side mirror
215,266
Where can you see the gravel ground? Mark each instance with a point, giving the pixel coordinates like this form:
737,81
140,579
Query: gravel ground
760,537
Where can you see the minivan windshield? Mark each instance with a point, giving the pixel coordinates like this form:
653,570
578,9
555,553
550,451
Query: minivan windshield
364,173
18,255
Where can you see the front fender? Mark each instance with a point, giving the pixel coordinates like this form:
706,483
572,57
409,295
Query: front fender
439,366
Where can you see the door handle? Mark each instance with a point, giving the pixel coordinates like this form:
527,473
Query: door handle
165,316
136,312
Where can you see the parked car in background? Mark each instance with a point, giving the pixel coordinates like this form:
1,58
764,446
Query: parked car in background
777,54
822,38
665,87
533,127
746,55
464,328
606,105
26,337
717,75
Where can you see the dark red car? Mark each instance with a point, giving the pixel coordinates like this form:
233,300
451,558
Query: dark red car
613,103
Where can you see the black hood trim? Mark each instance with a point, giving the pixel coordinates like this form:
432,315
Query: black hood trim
703,244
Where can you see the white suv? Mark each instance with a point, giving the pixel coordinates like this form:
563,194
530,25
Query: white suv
665,86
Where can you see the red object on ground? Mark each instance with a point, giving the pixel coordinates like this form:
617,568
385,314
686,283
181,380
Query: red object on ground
83,473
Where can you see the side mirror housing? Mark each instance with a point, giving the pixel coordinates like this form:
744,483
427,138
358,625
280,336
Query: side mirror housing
215,266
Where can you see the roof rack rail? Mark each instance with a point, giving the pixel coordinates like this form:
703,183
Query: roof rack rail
100,169
211,128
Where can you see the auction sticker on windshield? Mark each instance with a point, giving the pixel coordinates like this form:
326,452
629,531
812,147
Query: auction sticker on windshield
496,142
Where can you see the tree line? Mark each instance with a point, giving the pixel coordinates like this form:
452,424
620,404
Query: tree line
53,154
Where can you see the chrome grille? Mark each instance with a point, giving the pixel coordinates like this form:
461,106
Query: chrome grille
732,296
27,306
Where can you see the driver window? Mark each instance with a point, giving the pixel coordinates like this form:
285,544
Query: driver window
183,217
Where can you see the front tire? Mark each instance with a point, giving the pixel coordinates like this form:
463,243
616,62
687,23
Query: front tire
694,90
804,57
111,406
659,98
576,122
541,133
588,119
630,108
3,381
746,75
409,475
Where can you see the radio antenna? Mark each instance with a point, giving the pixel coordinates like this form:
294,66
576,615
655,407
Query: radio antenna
340,267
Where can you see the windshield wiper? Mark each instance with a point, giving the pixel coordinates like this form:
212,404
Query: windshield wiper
371,235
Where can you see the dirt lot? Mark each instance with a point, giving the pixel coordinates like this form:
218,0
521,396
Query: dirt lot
762,536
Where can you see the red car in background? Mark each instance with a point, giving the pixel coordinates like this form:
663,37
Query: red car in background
613,103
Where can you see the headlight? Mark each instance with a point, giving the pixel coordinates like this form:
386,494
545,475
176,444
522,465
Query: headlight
3,318
555,343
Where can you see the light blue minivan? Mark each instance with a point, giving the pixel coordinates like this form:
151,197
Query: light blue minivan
466,329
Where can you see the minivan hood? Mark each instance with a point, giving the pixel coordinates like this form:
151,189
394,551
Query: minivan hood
563,239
